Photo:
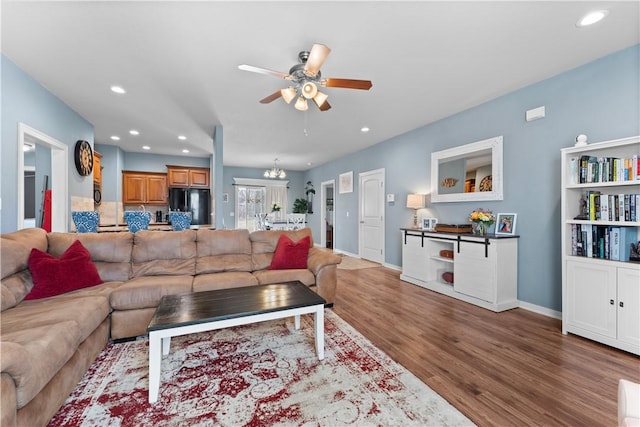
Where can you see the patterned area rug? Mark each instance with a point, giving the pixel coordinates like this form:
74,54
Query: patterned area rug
351,263
257,375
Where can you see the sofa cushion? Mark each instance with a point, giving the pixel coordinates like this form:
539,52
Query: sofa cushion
146,291
110,252
290,254
223,280
263,245
223,250
161,253
15,249
33,356
54,276
267,277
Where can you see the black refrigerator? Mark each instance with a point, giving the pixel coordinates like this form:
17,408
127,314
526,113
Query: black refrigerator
194,200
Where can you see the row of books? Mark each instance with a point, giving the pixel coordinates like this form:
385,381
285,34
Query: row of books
604,242
611,207
592,169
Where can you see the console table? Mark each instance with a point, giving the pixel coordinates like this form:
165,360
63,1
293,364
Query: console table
485,268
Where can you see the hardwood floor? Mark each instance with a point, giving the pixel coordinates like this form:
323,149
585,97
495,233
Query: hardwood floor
513,368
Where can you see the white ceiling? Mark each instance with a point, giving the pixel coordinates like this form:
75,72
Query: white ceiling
178,62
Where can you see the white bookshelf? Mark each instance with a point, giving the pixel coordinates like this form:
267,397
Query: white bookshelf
600,295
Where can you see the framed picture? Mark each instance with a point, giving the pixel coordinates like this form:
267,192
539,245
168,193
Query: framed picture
429,223
346,182
506,224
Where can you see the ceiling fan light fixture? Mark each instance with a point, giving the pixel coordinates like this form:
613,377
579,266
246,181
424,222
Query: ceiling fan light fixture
309,90
301,104
320,98
288,94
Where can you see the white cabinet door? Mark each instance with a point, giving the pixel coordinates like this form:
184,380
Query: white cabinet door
415,257
591,297
629,307
474,271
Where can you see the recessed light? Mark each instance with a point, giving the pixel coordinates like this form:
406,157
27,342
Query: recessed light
185,151
115,137
134,132
118,89
592,17
182,137
146,147
309,163
364,129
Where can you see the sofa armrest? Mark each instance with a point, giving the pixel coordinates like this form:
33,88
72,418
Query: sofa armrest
319,258
8,402
628,403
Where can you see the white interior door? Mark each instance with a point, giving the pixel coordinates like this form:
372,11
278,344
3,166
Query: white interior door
371,214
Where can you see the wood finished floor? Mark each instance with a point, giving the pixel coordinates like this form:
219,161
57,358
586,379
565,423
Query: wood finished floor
500,369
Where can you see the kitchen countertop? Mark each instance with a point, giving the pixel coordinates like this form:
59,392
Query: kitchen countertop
152,227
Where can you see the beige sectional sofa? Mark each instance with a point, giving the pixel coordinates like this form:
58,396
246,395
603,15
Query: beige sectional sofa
48,344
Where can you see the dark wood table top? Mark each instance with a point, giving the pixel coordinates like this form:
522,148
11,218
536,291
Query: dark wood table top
210,306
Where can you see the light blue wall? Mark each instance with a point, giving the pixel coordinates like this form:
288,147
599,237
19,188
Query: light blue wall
147,162
115,160
27,101
600,99
295,191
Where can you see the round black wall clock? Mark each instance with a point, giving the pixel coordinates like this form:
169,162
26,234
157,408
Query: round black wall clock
84,158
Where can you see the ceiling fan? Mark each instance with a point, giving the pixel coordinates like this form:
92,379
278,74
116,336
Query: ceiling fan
305,78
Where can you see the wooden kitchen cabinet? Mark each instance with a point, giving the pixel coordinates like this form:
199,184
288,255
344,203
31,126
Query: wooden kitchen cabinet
188,177
97,169
147,188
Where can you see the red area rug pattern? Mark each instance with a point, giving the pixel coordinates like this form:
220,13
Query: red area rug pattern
257,375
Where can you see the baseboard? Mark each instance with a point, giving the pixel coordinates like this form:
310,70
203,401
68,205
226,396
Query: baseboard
541,310
392,266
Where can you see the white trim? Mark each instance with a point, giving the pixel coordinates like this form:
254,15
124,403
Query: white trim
260,182
541,310
59,177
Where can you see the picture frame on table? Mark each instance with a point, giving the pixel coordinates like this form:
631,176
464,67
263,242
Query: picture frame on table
506,224
429,223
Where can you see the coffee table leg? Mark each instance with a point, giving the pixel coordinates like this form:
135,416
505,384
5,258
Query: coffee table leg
296,321
155,360
319,331
166,344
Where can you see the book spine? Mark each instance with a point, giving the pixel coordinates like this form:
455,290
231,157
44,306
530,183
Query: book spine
574,170
615,243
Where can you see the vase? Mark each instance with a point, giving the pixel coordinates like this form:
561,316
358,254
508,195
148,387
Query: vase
479,228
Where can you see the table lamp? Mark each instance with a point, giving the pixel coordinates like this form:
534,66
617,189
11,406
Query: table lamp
415,202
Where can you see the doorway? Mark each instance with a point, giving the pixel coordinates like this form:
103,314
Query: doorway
372,215
327,226
59,177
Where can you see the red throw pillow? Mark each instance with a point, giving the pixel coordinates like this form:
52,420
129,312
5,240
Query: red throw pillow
289,254
53,276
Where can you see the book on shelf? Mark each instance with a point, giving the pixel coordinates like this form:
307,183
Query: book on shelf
592,169
603,242
612,207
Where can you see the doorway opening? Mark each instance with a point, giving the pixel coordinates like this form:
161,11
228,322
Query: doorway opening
59,177
327,226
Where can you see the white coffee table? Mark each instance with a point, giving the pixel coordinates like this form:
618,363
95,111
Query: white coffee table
205,311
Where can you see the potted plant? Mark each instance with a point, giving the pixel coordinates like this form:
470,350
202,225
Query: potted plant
300,206
309,191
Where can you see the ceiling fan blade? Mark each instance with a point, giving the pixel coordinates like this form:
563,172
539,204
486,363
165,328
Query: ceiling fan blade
266,71
275,95
317,56
347,83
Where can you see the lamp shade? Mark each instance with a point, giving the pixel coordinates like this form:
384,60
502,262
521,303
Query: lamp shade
415,201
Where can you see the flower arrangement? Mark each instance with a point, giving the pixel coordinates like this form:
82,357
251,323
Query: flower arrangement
275,207
482,220
480,215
